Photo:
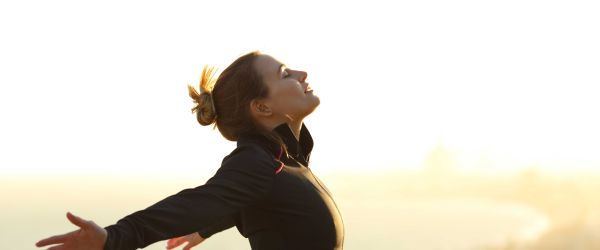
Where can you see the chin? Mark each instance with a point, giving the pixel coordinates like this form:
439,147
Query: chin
314,106
317,100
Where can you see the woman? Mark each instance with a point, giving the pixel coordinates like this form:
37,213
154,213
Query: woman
264,187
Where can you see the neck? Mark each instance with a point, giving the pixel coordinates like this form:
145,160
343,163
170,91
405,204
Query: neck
296,126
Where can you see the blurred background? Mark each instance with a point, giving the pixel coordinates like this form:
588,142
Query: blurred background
442,125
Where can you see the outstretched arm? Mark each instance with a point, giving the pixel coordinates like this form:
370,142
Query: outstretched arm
244,178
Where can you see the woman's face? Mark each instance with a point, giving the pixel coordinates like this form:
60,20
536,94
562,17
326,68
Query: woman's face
290,96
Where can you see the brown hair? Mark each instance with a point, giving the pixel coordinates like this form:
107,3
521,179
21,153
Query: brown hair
226,101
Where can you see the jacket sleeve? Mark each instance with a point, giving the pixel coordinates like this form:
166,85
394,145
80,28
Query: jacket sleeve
220,225
245,177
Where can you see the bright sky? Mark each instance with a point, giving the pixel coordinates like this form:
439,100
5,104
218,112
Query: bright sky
100,87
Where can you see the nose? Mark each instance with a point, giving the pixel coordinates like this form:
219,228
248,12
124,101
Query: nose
304,76
301,75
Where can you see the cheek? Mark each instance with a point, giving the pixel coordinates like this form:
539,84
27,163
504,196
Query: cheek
288,92
288,97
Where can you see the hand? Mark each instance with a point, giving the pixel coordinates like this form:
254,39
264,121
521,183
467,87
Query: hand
89,236
193,239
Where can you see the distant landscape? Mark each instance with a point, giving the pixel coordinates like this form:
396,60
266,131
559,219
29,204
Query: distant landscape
571,202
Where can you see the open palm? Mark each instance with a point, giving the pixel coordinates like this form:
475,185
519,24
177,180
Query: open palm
192,239
89,236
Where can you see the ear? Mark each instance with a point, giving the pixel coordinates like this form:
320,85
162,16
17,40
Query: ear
259,108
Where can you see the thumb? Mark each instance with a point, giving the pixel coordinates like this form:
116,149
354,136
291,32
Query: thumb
77,221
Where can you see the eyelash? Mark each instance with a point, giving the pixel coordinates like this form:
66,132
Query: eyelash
287,74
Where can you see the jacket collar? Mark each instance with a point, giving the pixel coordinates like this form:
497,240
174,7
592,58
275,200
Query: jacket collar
297,149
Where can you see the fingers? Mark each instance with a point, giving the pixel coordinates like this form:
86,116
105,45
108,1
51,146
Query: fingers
189,246
59,247
53,240
175,242
77,221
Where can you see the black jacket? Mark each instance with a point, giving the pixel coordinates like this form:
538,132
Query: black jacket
272,198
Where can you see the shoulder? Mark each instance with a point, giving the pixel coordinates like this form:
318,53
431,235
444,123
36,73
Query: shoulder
250,156
250,150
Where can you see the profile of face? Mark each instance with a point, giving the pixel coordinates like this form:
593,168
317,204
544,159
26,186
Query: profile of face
290,96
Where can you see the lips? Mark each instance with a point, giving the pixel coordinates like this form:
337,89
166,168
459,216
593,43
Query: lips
308,89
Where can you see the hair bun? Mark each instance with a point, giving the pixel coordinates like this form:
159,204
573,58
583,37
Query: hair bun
206,112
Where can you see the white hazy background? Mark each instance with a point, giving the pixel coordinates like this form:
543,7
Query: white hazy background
95,117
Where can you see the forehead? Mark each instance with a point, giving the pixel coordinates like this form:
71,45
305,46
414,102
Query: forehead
267,65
